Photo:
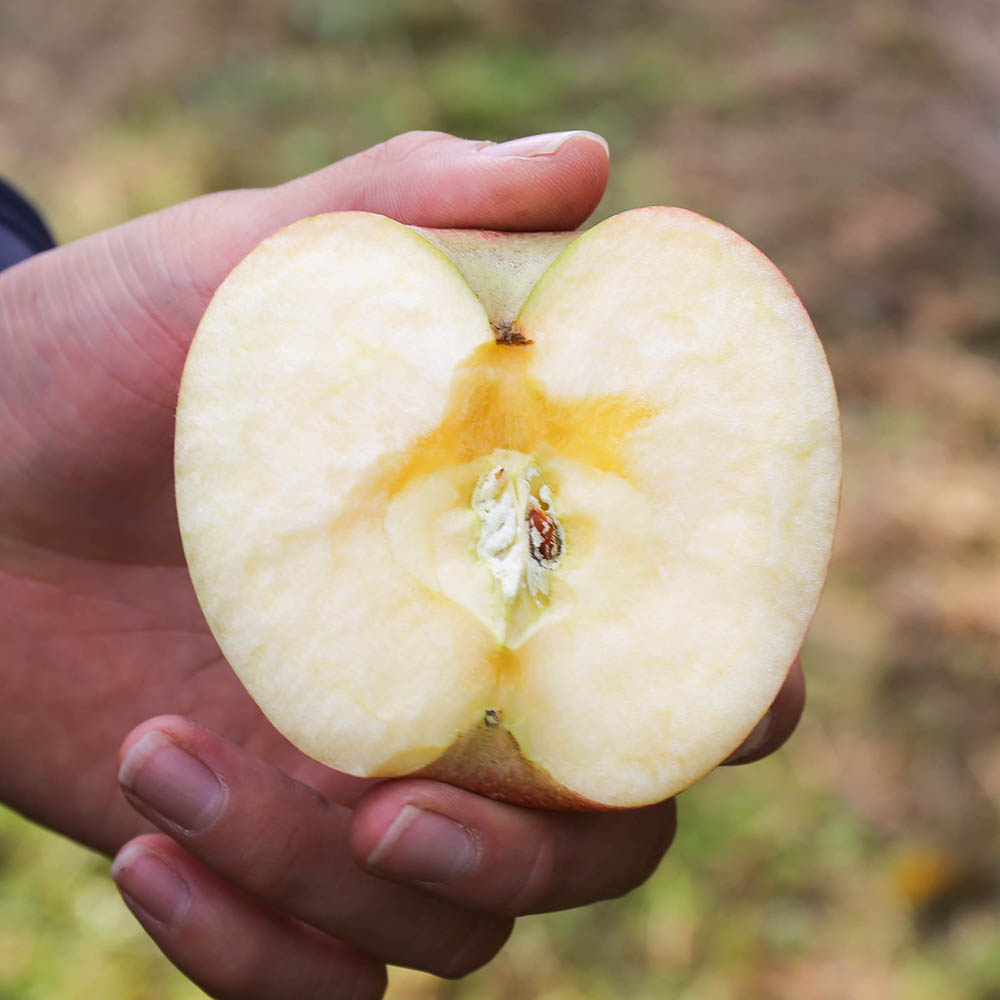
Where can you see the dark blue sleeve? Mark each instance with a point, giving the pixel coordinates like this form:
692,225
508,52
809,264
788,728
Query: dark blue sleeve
22,230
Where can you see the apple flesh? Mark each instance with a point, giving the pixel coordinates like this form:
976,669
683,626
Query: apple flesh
543,515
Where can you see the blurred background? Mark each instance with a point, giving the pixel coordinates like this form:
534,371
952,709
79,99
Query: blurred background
856,143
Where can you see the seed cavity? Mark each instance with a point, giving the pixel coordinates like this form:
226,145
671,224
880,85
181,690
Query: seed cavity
520,539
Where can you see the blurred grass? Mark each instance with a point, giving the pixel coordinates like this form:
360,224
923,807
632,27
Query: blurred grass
857,145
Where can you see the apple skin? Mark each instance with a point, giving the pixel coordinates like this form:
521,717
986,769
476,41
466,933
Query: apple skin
488,760
503,269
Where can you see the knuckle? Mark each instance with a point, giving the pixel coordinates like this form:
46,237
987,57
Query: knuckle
249,975
400,148
370,984
638,876
385,159
310,965
659,839
476,942
530,894
318,973
274,864
234,979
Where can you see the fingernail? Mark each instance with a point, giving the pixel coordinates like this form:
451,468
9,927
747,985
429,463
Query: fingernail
540,145
149,885
424,846
172,782
756,738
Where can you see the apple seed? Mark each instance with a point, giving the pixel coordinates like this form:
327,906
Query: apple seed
544,536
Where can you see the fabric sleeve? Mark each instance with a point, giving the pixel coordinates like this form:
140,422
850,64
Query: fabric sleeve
22,230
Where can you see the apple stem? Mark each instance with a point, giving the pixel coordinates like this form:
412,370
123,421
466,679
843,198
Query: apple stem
509,335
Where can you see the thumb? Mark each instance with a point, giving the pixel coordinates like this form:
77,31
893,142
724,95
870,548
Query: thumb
543,182
539,182
126,301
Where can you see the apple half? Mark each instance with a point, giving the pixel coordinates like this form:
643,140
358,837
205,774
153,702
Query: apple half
543,515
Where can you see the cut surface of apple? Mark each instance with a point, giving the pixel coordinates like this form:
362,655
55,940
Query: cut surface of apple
543,515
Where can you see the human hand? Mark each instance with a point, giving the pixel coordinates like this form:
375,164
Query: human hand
288,883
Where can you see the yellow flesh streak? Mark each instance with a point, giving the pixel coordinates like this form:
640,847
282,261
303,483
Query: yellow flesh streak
495,404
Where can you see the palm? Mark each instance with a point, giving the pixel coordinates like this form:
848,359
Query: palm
101,628
116,645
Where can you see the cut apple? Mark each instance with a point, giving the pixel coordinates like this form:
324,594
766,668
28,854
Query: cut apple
543,515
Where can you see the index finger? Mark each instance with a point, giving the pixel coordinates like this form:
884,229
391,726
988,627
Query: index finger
506,859
778,723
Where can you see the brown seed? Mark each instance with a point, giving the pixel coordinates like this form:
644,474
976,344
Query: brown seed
544,536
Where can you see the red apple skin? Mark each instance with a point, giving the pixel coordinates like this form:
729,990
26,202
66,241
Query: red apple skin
487,760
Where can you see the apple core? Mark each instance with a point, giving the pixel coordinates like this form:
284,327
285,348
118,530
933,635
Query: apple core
520,539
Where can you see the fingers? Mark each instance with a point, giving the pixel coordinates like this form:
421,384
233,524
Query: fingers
229,943
779,721
286,845
481,853
489,855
